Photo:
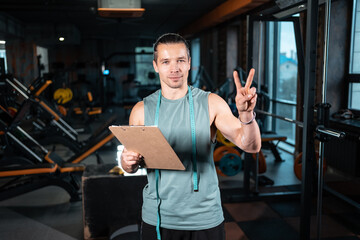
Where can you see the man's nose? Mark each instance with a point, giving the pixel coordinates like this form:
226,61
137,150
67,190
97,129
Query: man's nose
174,67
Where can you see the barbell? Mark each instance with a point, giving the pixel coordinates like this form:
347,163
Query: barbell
320,129
300,124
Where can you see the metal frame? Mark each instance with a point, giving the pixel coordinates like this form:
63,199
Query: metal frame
248,158
352,35
299,46
307,74
307,66
309,128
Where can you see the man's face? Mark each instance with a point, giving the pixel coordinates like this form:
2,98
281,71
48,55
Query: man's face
172,64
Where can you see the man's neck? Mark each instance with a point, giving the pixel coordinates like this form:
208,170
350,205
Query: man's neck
173,93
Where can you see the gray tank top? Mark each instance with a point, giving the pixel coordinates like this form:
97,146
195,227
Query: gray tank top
181,207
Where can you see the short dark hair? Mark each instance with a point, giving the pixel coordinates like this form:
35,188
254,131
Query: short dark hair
170,38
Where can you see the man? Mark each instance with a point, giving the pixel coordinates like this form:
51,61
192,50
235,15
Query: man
186,204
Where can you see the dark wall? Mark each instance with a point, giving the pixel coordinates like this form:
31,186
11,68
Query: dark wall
21,59
209,53
79,66
339,48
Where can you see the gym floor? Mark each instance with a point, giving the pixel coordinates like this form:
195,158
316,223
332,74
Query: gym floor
47,213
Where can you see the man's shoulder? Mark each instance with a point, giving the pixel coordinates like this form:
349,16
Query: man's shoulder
137,114
199,92
138,107
215,101
152,96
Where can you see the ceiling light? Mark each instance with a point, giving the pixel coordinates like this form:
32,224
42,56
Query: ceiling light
121,12
2,41
120,9
61,39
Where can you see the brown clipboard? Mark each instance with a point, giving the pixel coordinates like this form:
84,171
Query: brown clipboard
151,144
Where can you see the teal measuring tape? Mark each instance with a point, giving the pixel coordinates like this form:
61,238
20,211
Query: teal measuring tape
193,141
157,173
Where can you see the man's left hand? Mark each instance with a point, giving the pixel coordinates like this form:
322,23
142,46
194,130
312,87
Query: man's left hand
245,96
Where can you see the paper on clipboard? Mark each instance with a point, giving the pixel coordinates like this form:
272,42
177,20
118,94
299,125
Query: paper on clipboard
151,144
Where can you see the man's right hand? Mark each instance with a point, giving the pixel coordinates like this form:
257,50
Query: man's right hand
130,161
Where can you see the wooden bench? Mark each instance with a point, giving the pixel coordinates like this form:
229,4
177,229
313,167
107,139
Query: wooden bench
268,140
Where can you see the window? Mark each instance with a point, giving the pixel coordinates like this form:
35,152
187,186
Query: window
355,40
145,74
281,77
44,59
354,70
354,97
3,55
195,60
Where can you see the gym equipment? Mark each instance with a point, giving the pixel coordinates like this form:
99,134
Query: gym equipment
32,95
261,159
105,197
26,170
12,111
298,123
230,164
31,166
81,150
88,109
221,152
203,79
307,77
62,110
63,95
298,165
323,133
22,179
221,139
267,140
46,137
323,115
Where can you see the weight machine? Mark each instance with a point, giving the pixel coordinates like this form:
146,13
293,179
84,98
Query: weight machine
24,169
26,165
45,114
307,70
51,128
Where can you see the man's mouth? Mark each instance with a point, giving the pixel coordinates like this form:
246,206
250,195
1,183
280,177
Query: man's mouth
174,77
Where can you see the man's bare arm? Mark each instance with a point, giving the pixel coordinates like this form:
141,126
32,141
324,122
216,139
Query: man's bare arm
244,132
130,160
137,114
247,137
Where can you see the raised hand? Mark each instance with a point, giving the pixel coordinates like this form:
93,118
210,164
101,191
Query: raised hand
245,96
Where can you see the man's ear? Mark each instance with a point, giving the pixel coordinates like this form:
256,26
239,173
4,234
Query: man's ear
155,66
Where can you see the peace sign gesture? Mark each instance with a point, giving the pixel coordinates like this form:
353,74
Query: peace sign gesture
245,96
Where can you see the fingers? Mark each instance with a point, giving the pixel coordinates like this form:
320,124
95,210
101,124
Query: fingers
252,92
237,81
253,100
249,80
130,160
131,153
246,102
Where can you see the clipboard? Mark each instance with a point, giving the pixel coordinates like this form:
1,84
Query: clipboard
151,144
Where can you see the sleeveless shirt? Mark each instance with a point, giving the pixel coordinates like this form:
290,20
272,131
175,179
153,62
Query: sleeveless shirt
181,207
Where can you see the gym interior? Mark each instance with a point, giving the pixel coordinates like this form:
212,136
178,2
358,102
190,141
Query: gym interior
71,69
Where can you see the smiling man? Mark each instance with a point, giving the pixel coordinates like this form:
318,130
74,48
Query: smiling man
186,204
